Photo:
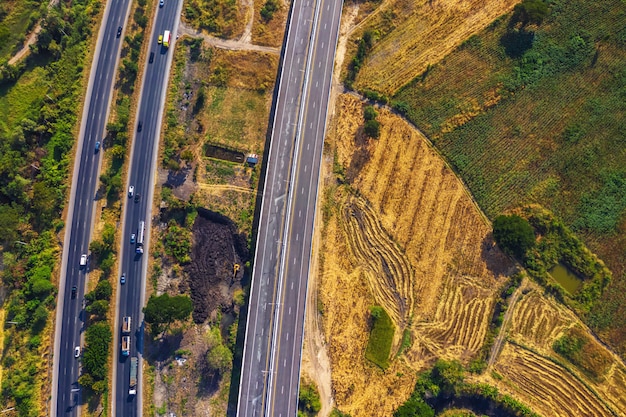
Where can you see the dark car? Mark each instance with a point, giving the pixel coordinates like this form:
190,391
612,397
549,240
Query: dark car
74,289
137,197
139,126
119,31
151,57
97,146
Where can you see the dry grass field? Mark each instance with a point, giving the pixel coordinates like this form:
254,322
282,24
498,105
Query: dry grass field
403,233
407,236
417,33
269,33
547,387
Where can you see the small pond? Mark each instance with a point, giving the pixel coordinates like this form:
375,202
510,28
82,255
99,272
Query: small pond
568,280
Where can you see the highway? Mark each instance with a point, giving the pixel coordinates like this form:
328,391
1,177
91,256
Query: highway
275,324
85,180
131,296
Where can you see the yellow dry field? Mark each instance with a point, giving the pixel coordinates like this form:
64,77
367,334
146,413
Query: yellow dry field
407,236
546,387
539,321
419,33
269,33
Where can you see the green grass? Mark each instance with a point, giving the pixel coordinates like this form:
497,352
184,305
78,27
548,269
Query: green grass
546,126
381,337
21,100
21,16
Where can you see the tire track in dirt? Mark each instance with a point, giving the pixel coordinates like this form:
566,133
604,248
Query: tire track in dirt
550,389
387,270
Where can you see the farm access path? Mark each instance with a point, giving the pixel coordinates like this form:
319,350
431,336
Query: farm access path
32,38
242,44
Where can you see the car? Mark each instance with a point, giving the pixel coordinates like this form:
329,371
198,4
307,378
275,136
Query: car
139,126
77,351
123,279
137,197
97,146
74,289
160,40
132,238
119,31
161,3
151,57
83,259
131,191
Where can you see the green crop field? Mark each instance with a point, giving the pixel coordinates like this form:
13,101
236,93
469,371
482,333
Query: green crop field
538,115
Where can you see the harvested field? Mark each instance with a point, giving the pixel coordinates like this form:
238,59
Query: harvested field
415,35
407,233
539,320
217,247
546,387
460,323
382,262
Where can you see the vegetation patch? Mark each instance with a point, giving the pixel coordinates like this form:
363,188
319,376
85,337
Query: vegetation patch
535,113
17,18
584,352
223,18
381,337
444,387
309,403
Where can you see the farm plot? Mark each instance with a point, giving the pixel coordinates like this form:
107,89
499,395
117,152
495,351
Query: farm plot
416,35
383,263
546,387
414,213
539,320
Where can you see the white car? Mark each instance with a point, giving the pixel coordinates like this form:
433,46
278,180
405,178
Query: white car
161,3
77,351
131,191
83,259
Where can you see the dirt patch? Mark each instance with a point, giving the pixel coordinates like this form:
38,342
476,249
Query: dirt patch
218,256
220,152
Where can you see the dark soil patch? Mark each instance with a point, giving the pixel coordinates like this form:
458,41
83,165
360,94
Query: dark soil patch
220,152
217,247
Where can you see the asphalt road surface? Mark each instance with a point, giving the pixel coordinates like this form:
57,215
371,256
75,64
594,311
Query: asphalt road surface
272,353
131,296
70,313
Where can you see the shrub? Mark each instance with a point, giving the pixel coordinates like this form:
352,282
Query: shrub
372,129
514,235
309,400
381,336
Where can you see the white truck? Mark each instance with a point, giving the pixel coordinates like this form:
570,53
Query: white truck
132,388
125,345
167,37
126,325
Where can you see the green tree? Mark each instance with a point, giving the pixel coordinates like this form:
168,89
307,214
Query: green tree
370,113
97,340
9,222
220,358
98,308
414,407
372,128
309,400
513,234
448,375
163,310
529,12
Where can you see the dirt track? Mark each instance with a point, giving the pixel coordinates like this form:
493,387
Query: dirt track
217,247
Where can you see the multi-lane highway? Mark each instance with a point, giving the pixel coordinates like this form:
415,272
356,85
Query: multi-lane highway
271,362
70,313
131,295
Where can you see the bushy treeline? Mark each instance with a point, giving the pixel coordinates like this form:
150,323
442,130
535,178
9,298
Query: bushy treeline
435,389
35,140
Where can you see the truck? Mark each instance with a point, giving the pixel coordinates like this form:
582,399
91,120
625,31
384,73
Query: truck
166,38
132,388
140,236
126,325
125,345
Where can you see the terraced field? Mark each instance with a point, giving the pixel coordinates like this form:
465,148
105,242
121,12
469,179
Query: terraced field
382,262
546,387
538,320
405,234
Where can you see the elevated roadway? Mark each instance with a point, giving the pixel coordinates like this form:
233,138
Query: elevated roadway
272,353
